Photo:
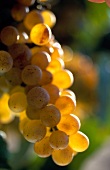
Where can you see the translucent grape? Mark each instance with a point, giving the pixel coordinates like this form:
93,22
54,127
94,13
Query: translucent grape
66,104
50,116
57,52
49,18
46,78
43,148
69,124
17,102
55,65
6,62
32,112
79,142
41,59
34,131
26,2
14,76
18,12
38,97
40,34
68,92
59,140
32,18
53,92
31,75
63,79
6,115
62,157
9,35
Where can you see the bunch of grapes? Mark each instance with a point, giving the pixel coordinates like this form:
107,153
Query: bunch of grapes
34,85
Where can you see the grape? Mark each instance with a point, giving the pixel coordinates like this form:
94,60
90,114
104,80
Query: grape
63,79
50,116
18,12
69,124
46,78
41,59
53,92
17,102
22,123
59,140
9,35
40,34
32,18
14,76
49,18
34,131
63,157
31,75
32,112
66,104
79,142
57,52
68,92
55,65
21,51
21,55
6,115
6,62
38,97
43,148
26,2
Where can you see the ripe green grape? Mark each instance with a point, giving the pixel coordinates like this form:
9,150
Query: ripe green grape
66,104
79,142
59,140
50,116
69,124
40,34
9,35
17,102
63,157
38,97
31,75
34,131
13,76
41,59
32,18
53,92
6,62
43,148
32,112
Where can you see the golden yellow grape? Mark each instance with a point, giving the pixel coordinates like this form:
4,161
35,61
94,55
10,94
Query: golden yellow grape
17,102
32,18
34,131
63,79
40,34
55,65
63,157
79,142
66,104
6,115
49,18
46,78
69,124
43,148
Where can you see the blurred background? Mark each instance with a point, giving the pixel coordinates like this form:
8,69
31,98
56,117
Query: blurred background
83,30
